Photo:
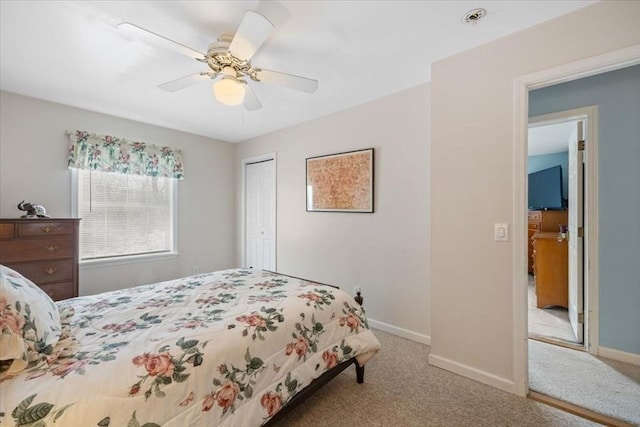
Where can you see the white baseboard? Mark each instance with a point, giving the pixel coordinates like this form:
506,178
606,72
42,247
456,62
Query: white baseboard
401,332
473,373
620,356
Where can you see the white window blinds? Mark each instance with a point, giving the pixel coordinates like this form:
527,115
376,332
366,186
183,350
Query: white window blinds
124,214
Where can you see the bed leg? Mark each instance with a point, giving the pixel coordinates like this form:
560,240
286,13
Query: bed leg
359,373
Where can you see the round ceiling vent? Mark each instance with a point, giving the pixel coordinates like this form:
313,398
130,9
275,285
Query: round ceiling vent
474,16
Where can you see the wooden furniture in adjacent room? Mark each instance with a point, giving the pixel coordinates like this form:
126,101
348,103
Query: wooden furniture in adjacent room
43,250
551,256
543,221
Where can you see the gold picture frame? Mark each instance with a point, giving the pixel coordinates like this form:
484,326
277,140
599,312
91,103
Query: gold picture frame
341,182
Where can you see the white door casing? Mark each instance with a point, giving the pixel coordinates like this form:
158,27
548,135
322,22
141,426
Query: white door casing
260,215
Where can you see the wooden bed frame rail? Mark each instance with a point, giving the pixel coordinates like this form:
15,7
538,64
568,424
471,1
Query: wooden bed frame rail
314,386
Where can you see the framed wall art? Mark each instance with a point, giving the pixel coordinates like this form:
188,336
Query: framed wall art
341,182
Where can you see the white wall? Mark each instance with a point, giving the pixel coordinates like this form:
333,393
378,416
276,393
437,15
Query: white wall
386,253
33,159
472,187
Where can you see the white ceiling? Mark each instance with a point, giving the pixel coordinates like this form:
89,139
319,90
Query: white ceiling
551,138
72,53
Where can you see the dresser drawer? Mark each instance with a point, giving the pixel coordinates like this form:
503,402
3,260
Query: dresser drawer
6,231
535,216
36,249
45,250
40,229
42,272
59,291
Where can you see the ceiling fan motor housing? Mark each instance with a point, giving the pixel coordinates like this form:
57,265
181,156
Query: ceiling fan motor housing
218,58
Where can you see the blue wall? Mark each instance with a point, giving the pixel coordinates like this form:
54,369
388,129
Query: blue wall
544,161
617,95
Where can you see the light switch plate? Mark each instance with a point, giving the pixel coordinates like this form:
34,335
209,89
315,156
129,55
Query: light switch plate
501,232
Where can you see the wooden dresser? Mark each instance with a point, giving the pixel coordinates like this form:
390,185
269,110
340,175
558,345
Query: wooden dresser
43,250
544,221
551,253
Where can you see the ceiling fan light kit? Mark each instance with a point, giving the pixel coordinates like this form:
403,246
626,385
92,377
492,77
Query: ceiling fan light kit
229,64
229,91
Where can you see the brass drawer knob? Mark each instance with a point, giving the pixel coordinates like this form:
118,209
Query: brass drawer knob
47,229
52,248
50,270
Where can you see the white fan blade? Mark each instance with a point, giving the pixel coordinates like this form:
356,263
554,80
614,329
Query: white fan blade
253,31
288,80
251,102
139,32
183,82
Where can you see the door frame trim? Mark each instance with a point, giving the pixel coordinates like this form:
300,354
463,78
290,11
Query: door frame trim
598,64
243,208
591,263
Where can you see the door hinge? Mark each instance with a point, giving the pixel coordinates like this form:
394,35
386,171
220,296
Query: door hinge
580,231
581,145
581,318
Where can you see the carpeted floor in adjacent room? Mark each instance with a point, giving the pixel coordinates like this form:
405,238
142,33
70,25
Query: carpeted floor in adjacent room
601,385
401,389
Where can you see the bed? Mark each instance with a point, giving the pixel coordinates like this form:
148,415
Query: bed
229,348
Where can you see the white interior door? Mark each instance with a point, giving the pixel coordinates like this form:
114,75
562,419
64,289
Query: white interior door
576,239
260,205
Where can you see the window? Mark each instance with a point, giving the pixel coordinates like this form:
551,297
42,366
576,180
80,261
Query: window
124,215
125,192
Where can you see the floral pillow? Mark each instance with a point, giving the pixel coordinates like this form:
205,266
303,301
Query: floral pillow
29,321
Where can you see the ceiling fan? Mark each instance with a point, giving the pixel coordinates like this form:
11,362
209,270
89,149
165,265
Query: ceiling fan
229,61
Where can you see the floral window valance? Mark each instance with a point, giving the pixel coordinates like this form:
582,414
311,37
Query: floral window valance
111,154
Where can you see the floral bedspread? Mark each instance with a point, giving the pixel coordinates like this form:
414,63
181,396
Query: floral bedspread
227,348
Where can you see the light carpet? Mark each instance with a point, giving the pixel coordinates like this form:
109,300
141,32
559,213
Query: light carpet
401,389
601,385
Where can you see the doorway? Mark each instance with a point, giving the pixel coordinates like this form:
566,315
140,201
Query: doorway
558,230
592,66
587,378
259,204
